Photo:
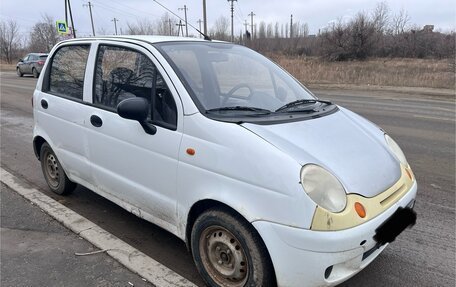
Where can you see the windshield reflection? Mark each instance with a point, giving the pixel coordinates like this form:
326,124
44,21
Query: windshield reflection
220,75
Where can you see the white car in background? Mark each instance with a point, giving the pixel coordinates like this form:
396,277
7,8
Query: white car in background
267,184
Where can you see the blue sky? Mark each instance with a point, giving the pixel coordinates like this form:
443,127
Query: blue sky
317,13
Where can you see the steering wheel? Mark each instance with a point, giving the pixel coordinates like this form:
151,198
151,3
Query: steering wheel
234,89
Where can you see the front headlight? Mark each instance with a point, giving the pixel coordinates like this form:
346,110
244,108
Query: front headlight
323,188
396,150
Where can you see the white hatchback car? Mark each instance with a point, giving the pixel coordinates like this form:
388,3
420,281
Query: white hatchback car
266,184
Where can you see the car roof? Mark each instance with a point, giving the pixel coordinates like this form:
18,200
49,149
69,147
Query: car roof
38,54
144,38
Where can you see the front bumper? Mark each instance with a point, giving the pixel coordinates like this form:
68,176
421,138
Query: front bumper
301,256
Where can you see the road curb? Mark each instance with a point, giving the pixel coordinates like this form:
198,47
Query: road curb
128,256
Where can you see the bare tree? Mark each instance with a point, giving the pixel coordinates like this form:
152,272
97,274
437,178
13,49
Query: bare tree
43,35
262,30
9,41
362,32
270,31
141,27
400,22
220,29
381,17
165,25
335,41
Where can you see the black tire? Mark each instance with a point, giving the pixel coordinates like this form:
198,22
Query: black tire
53,172
18,72
35,73
229,252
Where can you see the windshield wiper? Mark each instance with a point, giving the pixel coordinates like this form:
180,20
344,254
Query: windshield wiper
301,102
239,108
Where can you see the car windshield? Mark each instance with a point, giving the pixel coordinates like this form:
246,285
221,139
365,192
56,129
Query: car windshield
223,77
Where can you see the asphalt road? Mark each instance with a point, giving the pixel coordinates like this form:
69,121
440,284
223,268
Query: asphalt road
423,124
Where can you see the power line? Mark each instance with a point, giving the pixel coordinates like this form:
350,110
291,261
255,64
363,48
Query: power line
180,18
118,11
132,8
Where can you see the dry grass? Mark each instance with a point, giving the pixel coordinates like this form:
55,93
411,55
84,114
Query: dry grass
378,72
7,67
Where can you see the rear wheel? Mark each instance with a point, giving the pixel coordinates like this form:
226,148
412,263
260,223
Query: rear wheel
228,252
53,172
35,73
18,72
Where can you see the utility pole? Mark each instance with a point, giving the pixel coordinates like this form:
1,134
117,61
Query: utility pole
115,23
291,26
245,25
199,22
91,17
180,28
251,24
204,17
232,23
66,13
186,26
71,17
170,26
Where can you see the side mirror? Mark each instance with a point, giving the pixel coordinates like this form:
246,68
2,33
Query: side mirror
21,60
136,109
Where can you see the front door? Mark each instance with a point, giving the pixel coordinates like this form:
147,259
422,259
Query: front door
127,163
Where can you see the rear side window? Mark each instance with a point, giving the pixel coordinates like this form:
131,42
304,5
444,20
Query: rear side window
123,73
67,71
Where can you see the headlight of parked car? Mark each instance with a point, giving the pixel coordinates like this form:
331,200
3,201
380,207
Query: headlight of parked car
323,188
394,147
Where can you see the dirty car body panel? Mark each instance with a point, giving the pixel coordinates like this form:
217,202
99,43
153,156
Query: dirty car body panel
252,142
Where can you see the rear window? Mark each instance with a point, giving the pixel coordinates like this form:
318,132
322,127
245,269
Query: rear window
43,57
66,77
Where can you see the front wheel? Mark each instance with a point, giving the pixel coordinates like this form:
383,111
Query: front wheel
228,252
53,172
18,72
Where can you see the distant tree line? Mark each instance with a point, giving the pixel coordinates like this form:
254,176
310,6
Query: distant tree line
379,33
376,34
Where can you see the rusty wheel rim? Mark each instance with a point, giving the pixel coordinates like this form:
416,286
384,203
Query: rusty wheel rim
223,257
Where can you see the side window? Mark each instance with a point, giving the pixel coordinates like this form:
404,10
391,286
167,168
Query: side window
68,70
123,73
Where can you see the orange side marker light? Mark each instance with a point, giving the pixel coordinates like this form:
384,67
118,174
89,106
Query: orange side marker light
191,151
409,173
360,209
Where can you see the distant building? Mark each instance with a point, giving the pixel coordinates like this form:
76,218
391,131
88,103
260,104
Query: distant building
428,28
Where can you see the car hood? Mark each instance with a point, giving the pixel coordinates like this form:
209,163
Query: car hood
346,144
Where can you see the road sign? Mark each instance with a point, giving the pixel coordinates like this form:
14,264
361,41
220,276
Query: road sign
62,27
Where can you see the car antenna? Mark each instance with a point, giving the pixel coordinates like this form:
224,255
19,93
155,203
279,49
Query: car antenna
206,37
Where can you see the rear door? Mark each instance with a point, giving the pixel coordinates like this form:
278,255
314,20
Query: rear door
60,111
25,65
128,163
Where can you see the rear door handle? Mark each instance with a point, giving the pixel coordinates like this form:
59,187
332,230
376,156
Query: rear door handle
96,121
44,104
